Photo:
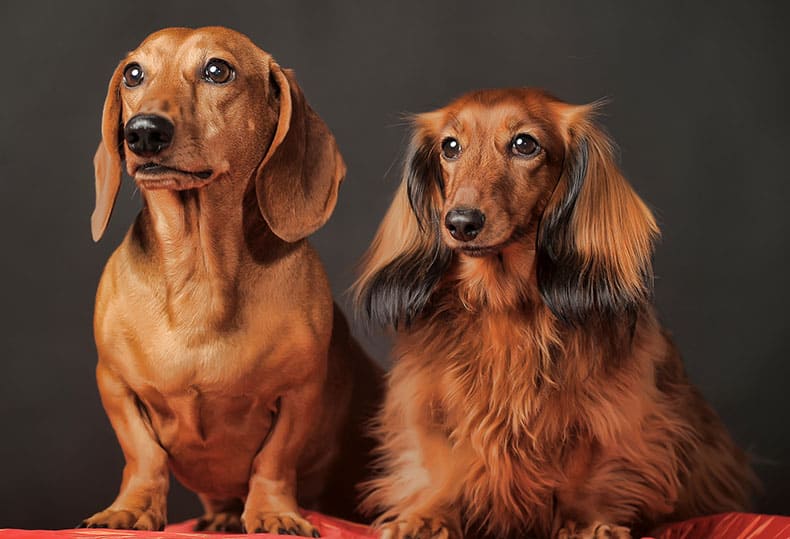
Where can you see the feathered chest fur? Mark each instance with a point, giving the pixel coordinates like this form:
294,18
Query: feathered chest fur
517,394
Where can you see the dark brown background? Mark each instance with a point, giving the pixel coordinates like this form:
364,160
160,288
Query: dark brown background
698,105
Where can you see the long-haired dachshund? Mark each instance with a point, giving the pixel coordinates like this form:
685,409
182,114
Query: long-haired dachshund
534,391
221,354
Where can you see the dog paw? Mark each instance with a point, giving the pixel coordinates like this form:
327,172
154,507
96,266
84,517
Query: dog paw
598,530
416,527
126,519
229,522
278,523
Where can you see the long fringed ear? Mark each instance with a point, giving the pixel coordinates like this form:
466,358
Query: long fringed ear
297,181
595,243
107,161
407,257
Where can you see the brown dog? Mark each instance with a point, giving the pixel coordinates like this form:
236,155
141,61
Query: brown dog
534,391
221,355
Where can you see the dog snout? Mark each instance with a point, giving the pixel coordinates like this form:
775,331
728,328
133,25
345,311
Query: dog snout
464,224
148,134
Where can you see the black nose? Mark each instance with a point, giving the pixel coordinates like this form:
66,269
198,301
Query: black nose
148,134
464,224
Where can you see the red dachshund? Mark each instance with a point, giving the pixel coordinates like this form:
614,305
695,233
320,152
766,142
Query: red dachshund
534,391
222,357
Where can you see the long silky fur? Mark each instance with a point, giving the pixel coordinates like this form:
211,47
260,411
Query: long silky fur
400,290
397,291
578,288
504,420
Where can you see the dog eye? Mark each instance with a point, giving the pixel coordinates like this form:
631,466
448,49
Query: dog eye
132,75
451,148
218,71
525,145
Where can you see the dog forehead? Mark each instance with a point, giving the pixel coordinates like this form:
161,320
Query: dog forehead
498,109
186,45
484,116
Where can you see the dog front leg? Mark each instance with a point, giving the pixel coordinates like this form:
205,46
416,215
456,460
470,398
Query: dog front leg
419,494
271,505
142,501
420,490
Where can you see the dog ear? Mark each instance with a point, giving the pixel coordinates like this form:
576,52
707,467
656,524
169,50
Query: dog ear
407,257
596,236
107,161
298,179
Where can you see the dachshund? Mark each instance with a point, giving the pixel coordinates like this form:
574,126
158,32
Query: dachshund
534,392
221,355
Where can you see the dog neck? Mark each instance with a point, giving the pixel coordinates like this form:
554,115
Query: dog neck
499,283
196,241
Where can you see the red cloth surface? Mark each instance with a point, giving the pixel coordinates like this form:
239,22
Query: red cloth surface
730,526
726,526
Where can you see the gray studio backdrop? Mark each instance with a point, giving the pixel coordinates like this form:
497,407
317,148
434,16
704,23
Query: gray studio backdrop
698,105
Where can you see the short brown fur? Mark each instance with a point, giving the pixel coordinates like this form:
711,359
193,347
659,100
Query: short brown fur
221,354
534,392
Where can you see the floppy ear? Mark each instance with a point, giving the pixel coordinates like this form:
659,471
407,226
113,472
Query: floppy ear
596,236
298,179
107,161
407,257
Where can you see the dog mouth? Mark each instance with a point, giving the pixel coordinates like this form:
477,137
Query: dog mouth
483,250
478,251
158,176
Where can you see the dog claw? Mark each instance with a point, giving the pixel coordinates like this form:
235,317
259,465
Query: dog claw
416,527
125,519
282,524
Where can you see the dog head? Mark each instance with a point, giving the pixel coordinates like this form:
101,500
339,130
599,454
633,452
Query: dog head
498,168
189,108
